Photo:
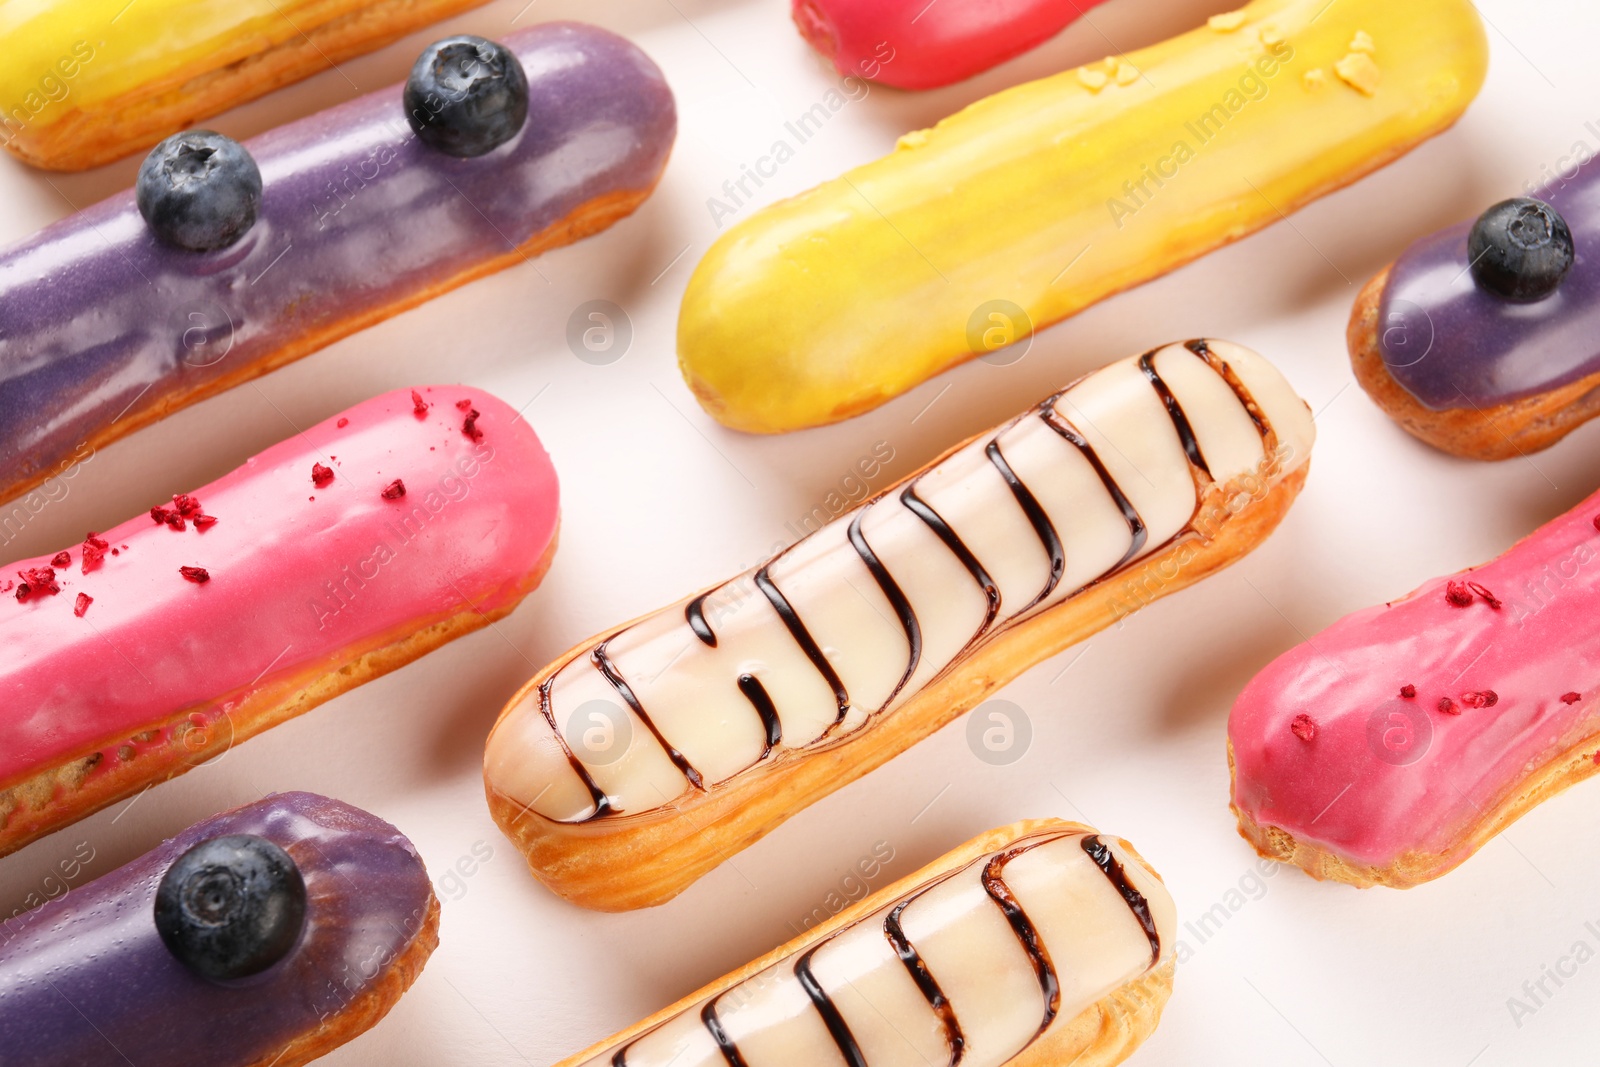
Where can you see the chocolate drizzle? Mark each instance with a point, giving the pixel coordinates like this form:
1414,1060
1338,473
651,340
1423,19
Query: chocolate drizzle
1027,934
1137,531
602,803
803,638
725,1045
625,691
925,982
958,548
1199,347
759,699
1180,421
1041,522
1103,858
838,1029
896,597
695,613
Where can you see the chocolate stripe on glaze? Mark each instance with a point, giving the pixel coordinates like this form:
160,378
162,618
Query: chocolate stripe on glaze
958,548
1036,515
625,691
1027,934
897,600
761,700
602,803
925,982
725,1045
1199,347
1136,527
838,1029
695,613
1112,867
803,638
620,1059
1175,412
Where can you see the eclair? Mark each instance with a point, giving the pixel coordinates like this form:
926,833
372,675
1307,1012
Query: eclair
89,81
330,559
1393,745
1481,339
911,44
1038,944
263,937
644,757
230,260
1071,188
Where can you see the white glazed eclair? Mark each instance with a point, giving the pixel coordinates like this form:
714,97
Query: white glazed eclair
642,758
1037,944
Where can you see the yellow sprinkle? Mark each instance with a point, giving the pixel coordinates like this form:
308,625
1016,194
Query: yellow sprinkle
1270,36
1127,74
914,139
1227,22
1314,79
1359,72
1362,42
1092,80
1109,63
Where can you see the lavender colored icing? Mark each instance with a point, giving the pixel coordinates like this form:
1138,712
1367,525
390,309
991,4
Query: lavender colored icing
1451,344
86,977
99,322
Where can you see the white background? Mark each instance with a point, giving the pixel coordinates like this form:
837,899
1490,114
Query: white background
1128,728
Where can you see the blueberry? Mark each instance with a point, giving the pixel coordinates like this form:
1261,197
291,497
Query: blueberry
231,907
1520,249
466,96
199,190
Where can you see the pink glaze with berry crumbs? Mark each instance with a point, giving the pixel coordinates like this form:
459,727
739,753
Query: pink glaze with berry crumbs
180,612
1430,711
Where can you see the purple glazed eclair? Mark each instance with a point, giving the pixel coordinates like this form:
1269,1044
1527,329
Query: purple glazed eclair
270,934
106,324
1484,339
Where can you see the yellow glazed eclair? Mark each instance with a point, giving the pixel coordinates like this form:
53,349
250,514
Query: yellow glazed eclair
1040,944
644,757
1038,201
85,82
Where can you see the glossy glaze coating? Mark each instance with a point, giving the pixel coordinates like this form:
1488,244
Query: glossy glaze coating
101,325
85,979
1072,188
911,44
298,577
1452,344
1384,776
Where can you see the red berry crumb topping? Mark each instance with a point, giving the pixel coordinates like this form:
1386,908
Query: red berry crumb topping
1488,597
419,406
186,505
470,427
94,551
204,521
1570,698
37,581
1458,594
321,476
61,559
1448,706
1408,691
1486,699
82,606
197,575
1597,522
160,515
1304,727
464,405
342,423
394,490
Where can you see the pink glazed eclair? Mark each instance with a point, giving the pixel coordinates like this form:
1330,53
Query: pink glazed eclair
329,559
1390,747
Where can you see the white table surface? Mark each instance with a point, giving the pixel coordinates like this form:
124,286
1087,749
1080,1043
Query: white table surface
1127,729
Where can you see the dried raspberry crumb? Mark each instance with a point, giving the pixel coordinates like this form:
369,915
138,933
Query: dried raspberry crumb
470,427
1597,522
82,606
1408,691
93,553
419,406
464,405
203,521
1304,727
118,551
175,521
1488,597
394,490
186,505
1458,594
37,581
1486,699
61,559
160,515
342,423
197,575
1571,698
321,476
1448,706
